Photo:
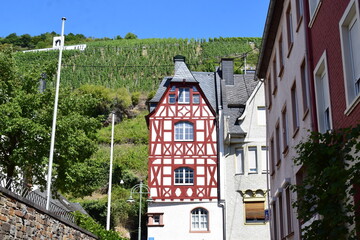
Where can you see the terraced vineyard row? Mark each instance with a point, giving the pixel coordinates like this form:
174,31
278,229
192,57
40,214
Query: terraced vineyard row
139,64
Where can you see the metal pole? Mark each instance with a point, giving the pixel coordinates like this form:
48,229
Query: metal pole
139,232
110,172
52,144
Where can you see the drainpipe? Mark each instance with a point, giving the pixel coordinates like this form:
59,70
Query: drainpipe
220,147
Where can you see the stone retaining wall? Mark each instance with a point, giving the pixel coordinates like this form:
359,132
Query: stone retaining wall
21,219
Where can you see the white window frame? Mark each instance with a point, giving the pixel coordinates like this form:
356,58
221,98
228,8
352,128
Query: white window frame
264,156
261,115
199,219
172,96
351,14
186,175
181,131
322,94
313,10
239,166
184,95
252,150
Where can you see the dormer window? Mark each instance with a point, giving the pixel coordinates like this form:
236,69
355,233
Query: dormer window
172,89
196,98
184,95
194,89
172,98
184,131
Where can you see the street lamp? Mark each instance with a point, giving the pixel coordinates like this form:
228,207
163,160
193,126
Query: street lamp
139,188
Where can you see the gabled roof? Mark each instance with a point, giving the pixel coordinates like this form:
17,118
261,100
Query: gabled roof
234,98
206,81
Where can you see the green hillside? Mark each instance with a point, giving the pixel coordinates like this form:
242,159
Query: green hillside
139,64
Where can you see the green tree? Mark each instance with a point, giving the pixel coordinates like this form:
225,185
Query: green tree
25,127
331,163
131,36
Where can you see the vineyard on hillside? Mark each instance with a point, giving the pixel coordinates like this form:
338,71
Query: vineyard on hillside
140,64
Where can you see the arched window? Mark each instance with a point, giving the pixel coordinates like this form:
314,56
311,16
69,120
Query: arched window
184,175
199,220
184,131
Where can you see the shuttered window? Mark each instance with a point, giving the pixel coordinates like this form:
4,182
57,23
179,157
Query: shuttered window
255,212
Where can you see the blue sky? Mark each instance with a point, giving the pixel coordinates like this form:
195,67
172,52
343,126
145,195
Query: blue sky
147,19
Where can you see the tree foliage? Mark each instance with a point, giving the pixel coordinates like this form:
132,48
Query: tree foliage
325,198
25,127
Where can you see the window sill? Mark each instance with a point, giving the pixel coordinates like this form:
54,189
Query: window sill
274,90
258,223
296,130
286,150
183,184
155,225
290,48
305,114
352,106
281,71
299,23
199,231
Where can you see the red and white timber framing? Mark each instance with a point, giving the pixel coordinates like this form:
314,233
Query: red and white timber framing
166,154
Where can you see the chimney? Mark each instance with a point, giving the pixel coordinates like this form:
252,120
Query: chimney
178,59
227,70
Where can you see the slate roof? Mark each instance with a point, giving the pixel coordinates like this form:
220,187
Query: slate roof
206,82
234,99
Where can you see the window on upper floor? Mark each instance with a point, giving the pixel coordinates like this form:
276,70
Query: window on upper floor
313,7
173,89
184,95
196,98
289,28
239,160
269,91
295,108
172,98
199,220
261,115
322,95
277,144
350,46
285,133
272,161
281,56
299,11
305,88
252,159
289,208
274,76
184,131
184,176
264,159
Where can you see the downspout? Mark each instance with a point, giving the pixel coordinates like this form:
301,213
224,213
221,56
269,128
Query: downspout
220,147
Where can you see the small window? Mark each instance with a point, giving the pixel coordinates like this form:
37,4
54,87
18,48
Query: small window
313,5
196,98
289,25
254,212
184,131
285,133
264,159
239,161
194,89
252,157
155,219
184,95
172,89
261,115
295,108
184,176
199,220
172,98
